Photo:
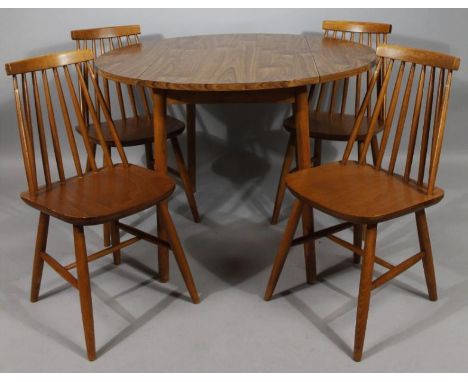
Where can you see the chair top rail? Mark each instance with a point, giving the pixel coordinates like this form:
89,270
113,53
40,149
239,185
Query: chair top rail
49,61
105,32
356,26
419,56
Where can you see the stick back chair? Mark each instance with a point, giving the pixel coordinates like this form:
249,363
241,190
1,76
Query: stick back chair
133,126
360,193
104,194
329,118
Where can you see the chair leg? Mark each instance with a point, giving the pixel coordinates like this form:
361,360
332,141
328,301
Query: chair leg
317,152
106,232
425,245
357,241
38,262
309,247
178,252
84,288
149,155
115,238
163,253
365,289
284,248
288,158
187,184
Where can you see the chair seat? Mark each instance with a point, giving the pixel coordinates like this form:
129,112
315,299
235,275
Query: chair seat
359,193
103,196
136,130
332,126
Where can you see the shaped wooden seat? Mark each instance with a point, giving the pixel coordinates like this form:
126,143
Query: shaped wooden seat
333,126
362,194
135,130
104,194
133,126
330,118
359,194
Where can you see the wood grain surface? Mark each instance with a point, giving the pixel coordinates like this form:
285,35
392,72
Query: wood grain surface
103,196
359,194
235,62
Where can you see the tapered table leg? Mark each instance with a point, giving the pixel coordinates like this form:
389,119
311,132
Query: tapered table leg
303,155
191,144
160,165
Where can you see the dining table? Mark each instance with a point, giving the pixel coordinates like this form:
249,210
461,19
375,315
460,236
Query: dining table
236,68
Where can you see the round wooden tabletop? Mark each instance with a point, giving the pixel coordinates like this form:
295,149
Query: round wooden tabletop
236,62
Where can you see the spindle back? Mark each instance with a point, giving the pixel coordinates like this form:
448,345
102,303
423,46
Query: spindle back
371,34
32,90
103,40
429,105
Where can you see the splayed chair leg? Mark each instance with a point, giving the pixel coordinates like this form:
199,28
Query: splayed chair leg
425,245
365,289
284,248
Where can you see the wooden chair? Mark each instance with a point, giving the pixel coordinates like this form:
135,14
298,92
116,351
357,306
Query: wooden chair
105,194
329,118
359,193
133,127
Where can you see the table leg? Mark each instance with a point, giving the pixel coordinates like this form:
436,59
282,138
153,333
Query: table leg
160,165
303,155
191,140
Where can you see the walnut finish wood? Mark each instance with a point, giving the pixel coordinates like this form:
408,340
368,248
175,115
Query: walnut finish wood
133,127
111,193
135,131
303,162
333,126
365,289
283,95
38,263
332,121
47,61
358,231
184,176
178,252
420,56
356,26
240,68
283,249
348,55
363,194
191,144
425,246
160,165
106,32
104,194
84,289
359,194
234,62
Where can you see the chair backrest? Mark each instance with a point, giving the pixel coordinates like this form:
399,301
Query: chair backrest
371,34
434,73
27,76
103,40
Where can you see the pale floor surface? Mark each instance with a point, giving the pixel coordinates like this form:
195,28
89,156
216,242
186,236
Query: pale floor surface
143,325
